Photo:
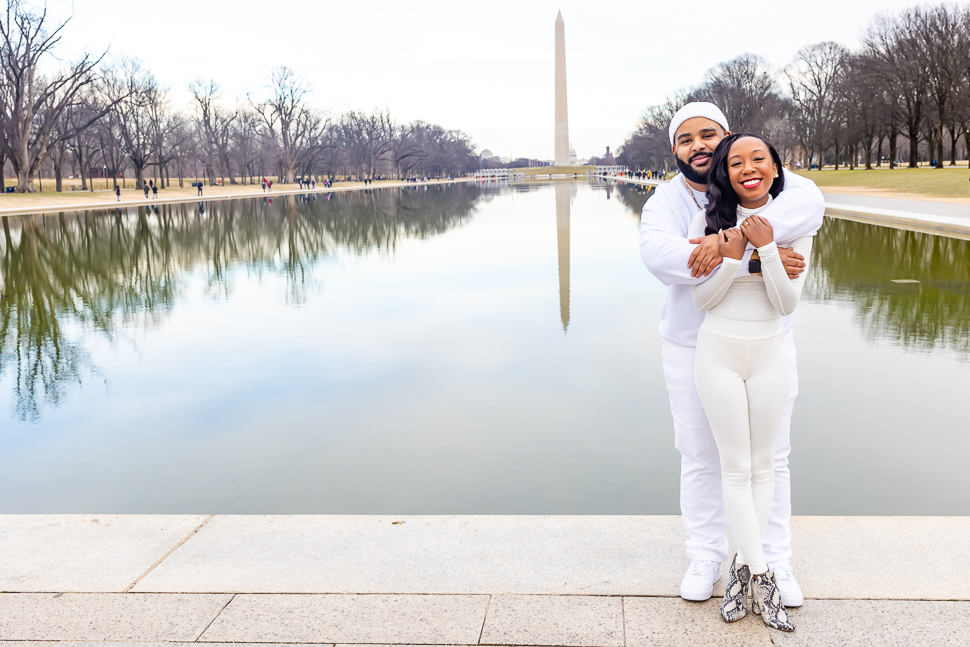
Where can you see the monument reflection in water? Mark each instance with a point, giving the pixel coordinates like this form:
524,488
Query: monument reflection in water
438,350
563,197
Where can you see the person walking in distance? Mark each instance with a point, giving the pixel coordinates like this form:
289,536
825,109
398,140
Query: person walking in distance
154,191
145,187
679,262
199,184
118,192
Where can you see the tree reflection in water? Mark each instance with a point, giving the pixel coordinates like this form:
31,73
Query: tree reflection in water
99,270
857,263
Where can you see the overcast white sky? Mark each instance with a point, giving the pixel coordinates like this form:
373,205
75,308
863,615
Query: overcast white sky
485,67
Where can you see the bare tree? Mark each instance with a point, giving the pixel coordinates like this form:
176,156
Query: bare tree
745,89
215,126
649,145
31,103
962,108
865,99
84,143
366,140
247,143
287,117
813,81
135,94
406,152
940,35
896,44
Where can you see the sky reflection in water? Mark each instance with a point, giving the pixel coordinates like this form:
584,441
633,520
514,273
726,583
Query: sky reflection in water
439,351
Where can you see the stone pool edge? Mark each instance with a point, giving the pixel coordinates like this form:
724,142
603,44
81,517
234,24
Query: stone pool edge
457,579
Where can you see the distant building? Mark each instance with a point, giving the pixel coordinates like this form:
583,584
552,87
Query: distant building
572,155
604,169
497,174
606,160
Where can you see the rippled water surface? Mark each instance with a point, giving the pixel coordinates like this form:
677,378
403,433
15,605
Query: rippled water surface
439,350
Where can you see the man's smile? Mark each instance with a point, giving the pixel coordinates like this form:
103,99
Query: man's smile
700,159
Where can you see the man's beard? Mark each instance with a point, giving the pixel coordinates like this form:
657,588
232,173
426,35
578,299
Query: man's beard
690,173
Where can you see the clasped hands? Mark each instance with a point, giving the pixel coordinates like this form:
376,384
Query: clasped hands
730,243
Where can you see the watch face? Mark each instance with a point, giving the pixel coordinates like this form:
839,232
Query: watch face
754,265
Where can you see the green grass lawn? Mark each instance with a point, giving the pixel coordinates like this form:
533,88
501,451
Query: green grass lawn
940,183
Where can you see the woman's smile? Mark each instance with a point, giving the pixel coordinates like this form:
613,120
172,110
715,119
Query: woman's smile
752,183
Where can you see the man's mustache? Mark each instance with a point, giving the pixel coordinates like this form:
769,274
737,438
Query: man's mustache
700,154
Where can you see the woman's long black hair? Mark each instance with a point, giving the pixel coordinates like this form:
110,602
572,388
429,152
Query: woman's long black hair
722,201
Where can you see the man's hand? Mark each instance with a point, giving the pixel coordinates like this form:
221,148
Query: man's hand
706,257
793,261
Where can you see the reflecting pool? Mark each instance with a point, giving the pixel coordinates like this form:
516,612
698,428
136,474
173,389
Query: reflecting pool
454,349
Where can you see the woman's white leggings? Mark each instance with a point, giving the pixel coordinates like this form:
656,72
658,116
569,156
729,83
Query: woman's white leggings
743,385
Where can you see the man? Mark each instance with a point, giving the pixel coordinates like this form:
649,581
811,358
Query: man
695,132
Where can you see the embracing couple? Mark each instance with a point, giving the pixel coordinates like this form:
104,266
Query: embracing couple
731,237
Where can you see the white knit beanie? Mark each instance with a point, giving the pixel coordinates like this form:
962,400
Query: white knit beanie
697,109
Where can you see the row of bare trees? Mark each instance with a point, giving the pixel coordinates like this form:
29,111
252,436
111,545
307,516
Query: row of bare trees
905,94
115,120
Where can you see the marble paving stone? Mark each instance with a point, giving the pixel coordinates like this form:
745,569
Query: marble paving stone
886,623
416,619
77,643
554,620
107,616
834,557
428,554
85,553
672,622
913,558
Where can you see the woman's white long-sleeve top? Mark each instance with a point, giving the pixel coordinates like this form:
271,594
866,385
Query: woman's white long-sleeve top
736,297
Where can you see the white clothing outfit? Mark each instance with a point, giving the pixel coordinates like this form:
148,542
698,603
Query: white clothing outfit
742,375
666,218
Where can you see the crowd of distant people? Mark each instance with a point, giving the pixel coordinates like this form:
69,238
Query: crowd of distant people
649,175
150,187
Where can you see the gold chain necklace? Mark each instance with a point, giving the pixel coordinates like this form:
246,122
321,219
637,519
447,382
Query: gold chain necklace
692,196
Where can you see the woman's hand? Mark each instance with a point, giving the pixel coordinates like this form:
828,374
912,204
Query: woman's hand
731,244
757,230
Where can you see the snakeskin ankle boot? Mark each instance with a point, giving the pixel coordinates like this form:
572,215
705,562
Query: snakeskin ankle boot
735,591
766,600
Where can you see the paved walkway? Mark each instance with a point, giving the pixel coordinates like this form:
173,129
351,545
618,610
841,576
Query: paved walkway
915,215
459,580
31,204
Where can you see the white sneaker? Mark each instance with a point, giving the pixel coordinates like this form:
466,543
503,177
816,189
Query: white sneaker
698,582
791,593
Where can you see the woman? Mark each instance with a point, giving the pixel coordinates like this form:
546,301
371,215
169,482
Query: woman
741,369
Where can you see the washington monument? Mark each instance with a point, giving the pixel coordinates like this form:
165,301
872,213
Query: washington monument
562,117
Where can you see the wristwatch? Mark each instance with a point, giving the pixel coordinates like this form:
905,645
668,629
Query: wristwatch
754,265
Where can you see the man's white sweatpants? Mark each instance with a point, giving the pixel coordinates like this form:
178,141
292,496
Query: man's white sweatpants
701,502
